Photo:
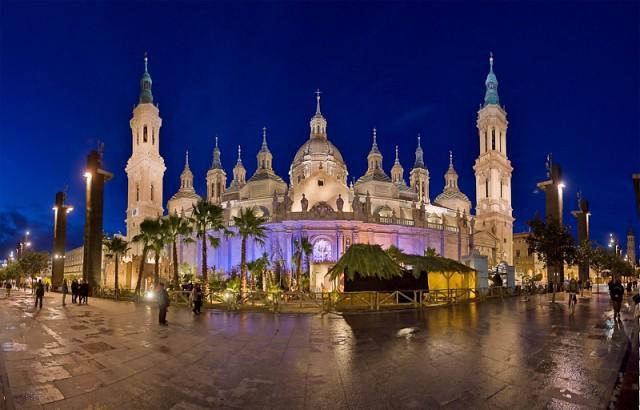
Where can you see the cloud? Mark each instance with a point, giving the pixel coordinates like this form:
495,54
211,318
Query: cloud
13,226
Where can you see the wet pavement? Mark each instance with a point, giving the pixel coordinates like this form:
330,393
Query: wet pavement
497,354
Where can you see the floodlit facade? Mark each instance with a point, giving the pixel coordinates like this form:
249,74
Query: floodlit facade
318,203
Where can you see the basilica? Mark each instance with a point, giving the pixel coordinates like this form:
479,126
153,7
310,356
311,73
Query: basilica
316,201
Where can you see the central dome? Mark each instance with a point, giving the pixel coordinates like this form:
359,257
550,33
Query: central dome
318,148
317,154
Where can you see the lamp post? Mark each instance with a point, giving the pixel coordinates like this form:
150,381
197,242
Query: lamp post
23,244
59,239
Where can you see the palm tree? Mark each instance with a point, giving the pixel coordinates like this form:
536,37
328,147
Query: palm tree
148,229
302,248
248,225
176,226
116,247
207,217
260,267
157,244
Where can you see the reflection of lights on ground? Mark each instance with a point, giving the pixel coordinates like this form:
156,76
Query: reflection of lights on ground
149,295
407,332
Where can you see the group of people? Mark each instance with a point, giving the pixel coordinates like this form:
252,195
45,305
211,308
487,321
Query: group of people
79,291
196,299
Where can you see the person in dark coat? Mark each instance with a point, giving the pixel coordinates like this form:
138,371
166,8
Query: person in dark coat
197,297
39,293
163,304
84,292
74,291
616,292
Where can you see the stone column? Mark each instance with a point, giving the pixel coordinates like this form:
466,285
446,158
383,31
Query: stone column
59,240
96,177
553,207
583,215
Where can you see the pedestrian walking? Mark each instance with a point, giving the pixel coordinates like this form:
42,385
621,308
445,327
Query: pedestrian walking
197,297
74,291
572,288
163,304
84,292
65,290
8,287
629,285
39,293
616,293
46,287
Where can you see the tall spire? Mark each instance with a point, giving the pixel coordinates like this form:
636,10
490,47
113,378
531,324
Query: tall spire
239,161
491,84
186,160
318,92
397,170
145,84
374,146
419,155
217,162
397,157
264,147
450,159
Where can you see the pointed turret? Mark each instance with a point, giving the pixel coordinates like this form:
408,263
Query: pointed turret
419,156
419,176
146,97
264,155
397,172
239,172
216,178
318,123
217,162
186,177
183,200
374,159
491,84
451,197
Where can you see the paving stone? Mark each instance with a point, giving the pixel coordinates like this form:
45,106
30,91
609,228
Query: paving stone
498,354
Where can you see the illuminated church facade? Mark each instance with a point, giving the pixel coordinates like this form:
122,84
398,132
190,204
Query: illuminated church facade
318,203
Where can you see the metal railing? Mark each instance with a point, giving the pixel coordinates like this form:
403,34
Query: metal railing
328,301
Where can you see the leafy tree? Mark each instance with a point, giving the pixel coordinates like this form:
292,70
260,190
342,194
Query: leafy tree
302,247
431,252
116,247
148,230
207,217
33,263
11,272
249,226
176,226
553,243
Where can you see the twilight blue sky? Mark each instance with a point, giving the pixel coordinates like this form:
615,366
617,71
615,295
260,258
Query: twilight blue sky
69,72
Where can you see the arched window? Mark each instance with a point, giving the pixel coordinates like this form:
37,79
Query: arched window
493,139
144,134
137,192
137,137
500,188
486,188
153,136
486,142
152,192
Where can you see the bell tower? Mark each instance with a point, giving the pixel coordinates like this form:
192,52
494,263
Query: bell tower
493,172
145,168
